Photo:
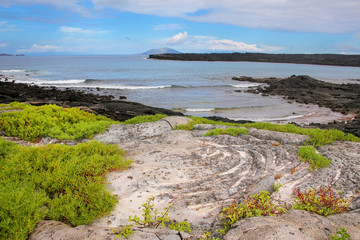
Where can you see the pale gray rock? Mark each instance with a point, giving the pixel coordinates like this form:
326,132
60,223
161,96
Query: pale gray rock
295,225
200,175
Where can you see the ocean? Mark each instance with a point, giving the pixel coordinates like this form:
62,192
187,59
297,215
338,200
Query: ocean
193,88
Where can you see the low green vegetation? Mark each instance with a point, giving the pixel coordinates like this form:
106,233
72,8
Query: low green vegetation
317,137
310,155
227,131
253,206
344,235
323,201
51,121
58,182
145,118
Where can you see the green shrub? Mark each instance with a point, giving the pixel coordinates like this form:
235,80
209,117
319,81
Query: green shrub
52,121
344,235
69,178
146,118
323,201
20,209
228,131
309,154
277,186
254,206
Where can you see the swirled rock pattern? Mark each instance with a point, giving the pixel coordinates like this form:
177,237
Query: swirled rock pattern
199,175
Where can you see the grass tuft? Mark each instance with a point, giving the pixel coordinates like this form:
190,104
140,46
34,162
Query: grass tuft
145,118
228,131
310,155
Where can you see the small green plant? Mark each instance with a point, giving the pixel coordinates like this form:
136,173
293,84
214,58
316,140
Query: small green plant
208,236
254,206
344,235
183,226
51,121
276,186
145,118
152,217
323,201
227,131
310,155
125,231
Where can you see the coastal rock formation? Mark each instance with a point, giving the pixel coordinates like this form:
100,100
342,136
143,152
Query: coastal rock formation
321,59
103,105
344,98
200,175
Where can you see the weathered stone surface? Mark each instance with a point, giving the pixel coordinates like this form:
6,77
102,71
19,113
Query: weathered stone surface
200,175
54,230
295,225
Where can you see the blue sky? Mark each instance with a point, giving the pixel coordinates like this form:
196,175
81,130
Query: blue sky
37,27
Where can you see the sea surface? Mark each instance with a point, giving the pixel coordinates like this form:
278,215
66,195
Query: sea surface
194,88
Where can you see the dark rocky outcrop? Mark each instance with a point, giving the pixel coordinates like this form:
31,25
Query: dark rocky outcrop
344,98
320,59
104,105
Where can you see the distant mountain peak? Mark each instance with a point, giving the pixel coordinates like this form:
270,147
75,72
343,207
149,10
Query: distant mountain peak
160,51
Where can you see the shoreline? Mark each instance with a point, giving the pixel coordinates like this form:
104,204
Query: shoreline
341,117
315,59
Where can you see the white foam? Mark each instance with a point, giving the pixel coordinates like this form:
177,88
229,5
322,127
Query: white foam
12,70
269,119
200,109
246,85
60,82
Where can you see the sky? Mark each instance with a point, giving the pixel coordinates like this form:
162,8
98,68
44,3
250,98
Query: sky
82,27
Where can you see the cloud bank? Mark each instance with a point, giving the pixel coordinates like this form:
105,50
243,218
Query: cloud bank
208,43
285,15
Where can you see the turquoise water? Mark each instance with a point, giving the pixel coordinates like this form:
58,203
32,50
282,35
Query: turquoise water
196,88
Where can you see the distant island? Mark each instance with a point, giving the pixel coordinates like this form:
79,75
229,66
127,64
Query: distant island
320,59
164,50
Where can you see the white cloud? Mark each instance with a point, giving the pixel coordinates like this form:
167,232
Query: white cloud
168,27
211,44
35,48
5,27
177,38
289,15
82,31
286,15
3,44
227,45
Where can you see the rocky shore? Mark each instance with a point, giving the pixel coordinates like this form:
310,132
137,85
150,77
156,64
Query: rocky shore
320,59
104,105
344,98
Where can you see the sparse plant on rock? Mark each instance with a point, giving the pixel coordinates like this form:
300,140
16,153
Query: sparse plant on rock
152,217
125,231
208,236
253,206
344,235
323,201
276,186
